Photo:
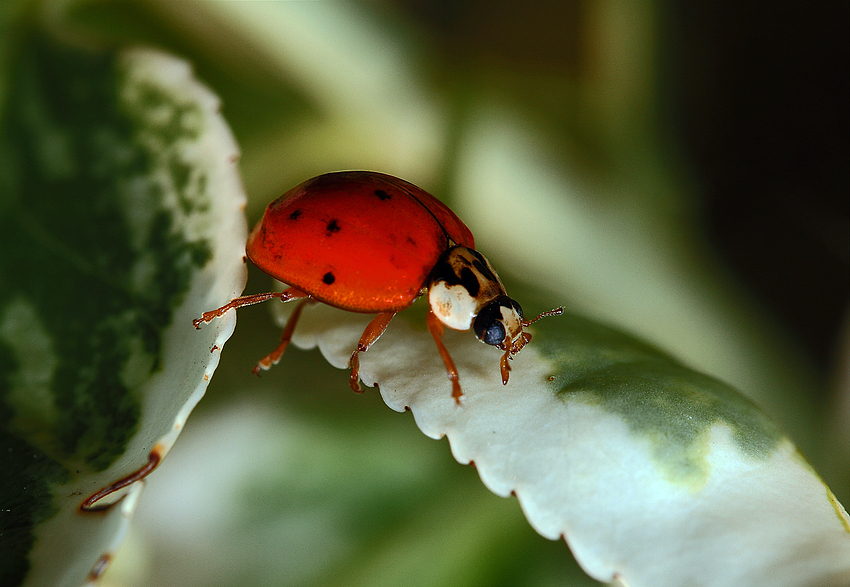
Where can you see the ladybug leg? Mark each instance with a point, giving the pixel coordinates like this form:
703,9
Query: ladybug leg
373,332
505,367
435,327
510,351
286,295
274,357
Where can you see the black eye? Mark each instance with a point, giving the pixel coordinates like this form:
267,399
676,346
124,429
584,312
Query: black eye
488,326
492,334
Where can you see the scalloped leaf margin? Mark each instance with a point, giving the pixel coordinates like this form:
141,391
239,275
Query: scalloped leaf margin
654,474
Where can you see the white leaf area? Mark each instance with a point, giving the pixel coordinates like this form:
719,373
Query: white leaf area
75,545
582,473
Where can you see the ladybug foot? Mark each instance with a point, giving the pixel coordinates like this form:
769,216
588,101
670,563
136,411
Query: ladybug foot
457,392
354,365
268,361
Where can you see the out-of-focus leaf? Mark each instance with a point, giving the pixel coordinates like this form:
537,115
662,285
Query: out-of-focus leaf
654,474
614,232
619,243
120,221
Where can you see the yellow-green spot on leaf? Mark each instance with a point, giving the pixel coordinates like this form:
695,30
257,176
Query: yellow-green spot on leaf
671,406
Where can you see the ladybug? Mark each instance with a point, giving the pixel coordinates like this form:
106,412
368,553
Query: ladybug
373,243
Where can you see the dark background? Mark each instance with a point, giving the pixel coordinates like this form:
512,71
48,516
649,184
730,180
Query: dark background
761,95
755,98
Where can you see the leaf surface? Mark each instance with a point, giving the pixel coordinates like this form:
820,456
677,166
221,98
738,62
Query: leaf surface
653,473
120,221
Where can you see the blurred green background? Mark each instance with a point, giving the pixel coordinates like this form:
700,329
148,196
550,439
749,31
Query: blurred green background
678,169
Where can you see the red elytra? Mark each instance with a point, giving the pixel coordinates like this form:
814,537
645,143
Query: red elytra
368,242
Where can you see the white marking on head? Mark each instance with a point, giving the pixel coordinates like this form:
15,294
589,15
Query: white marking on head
512,323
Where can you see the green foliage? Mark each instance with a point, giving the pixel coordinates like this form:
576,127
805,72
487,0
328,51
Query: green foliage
109,230
96,258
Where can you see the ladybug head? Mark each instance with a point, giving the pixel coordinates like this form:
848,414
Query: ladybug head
465,292
500,324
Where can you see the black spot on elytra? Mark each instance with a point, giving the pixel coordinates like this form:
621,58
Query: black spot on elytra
328,278
296,214
382,195
333,227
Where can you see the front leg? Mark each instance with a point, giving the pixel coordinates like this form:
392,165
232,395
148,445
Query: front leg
286,295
